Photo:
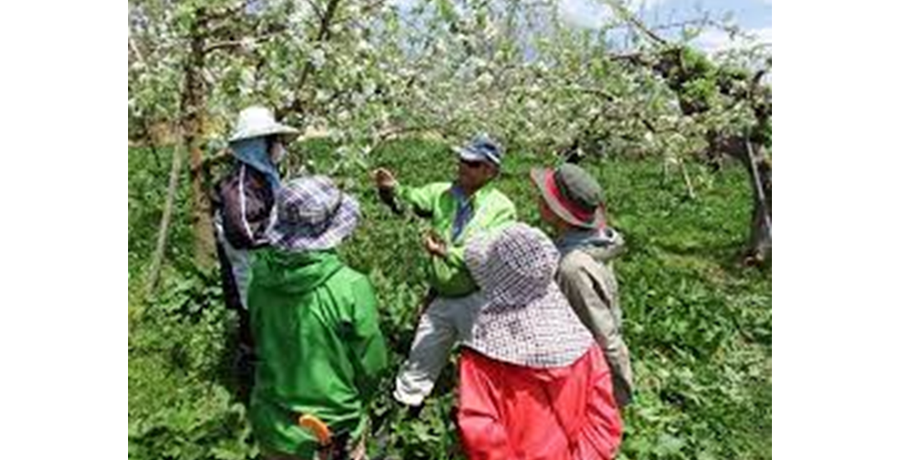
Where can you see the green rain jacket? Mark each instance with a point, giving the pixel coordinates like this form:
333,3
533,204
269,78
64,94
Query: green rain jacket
320,350
491,211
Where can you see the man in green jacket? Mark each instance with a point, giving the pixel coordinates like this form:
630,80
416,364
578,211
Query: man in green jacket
571,201
457,211
315,324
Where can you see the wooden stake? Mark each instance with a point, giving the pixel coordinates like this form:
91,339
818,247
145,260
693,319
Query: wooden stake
165,223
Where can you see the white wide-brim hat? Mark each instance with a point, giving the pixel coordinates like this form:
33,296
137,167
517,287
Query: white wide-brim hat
259,121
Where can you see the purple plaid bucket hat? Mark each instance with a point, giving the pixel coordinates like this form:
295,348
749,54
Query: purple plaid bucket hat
311,213
527,320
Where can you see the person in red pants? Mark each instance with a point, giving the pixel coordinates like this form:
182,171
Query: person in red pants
534,385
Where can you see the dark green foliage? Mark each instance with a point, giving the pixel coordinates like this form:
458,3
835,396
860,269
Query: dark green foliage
147,183
691,76
698,324
180,402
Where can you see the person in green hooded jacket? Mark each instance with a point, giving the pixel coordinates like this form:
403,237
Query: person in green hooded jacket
457,211
315,324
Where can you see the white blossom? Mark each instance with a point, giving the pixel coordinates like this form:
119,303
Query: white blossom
317,57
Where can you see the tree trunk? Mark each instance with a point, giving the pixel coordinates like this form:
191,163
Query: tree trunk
760,247
759,173
193,108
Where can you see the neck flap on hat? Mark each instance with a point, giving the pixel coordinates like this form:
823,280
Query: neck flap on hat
255,153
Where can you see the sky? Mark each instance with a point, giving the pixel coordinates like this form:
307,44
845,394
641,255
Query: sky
753,16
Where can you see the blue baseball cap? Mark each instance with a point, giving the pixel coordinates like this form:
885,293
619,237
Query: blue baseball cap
481,148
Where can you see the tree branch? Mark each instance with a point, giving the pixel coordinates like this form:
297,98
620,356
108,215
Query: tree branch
636,57
372,6
628,17
754,83
364,11
238,43
392,132
223,45
681,24
135,50
227,12
316,9
322,35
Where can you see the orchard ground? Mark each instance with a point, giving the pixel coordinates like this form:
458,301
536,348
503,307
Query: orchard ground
699,325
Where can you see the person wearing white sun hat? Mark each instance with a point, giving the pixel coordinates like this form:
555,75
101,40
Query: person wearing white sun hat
243,201
245,196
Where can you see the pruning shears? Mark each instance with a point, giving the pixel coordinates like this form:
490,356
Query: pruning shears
329,448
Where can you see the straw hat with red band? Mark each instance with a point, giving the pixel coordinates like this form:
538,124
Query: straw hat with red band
572,194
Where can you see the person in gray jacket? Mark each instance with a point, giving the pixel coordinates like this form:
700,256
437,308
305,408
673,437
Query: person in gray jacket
572,203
